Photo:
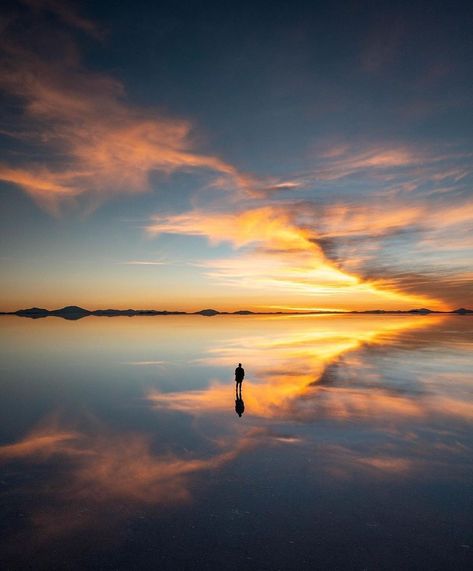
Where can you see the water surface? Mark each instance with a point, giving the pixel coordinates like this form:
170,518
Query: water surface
121,446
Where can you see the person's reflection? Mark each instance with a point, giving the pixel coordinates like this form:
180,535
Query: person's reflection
239,404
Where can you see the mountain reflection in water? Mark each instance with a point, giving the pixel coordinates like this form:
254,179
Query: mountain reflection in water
353,431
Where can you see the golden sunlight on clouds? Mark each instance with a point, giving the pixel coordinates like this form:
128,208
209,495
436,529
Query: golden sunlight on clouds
280,391
304,370
267,225
281,253
292,378
89,139
103,145
381,243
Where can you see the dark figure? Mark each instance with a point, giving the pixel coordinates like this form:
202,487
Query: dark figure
239,406
239,374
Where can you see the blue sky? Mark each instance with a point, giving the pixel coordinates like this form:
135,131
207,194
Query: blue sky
262,155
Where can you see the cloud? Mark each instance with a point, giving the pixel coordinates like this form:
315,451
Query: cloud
42,444
81,137
104,466
338,376
344,373
398,166
363,247
417,247
266,225
86,137
103,477
284,247
92,471
310,391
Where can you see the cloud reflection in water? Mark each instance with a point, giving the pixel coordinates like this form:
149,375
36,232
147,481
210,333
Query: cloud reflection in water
370,397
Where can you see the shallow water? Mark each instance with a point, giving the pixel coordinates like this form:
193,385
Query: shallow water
121,447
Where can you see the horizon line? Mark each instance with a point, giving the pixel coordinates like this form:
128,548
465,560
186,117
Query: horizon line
74,310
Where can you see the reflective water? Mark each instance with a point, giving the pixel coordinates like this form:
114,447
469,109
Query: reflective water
122,444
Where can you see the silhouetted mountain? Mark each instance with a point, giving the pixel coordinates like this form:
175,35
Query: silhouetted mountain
112,312
34,312
75,312
372,311
422,310
71,310
132,312
208,312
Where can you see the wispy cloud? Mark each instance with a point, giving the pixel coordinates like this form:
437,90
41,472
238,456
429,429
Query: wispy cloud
88,138
310,391
109,466
285,247
325,229
336,377
101,467
394,166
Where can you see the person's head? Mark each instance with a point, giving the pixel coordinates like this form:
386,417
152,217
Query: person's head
239,364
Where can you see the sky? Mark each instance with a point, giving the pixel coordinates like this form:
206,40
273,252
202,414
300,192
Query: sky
262,155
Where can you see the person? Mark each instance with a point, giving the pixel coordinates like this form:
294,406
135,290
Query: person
239,374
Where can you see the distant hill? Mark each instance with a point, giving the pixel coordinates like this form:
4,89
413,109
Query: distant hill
212,312
463,311
73,312
33,312
423,310
208,312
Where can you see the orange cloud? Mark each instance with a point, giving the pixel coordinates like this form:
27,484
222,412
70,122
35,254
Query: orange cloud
42,444
313,372
283,251
107,466
271,225
389,163
92,140
100,468
280,391
378,218
334,250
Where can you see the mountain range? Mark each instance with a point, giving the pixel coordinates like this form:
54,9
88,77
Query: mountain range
74,312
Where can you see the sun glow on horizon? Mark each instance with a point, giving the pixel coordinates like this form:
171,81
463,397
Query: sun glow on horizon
141,206
273,389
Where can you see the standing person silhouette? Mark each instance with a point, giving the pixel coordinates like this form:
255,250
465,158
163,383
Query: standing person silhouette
239,376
